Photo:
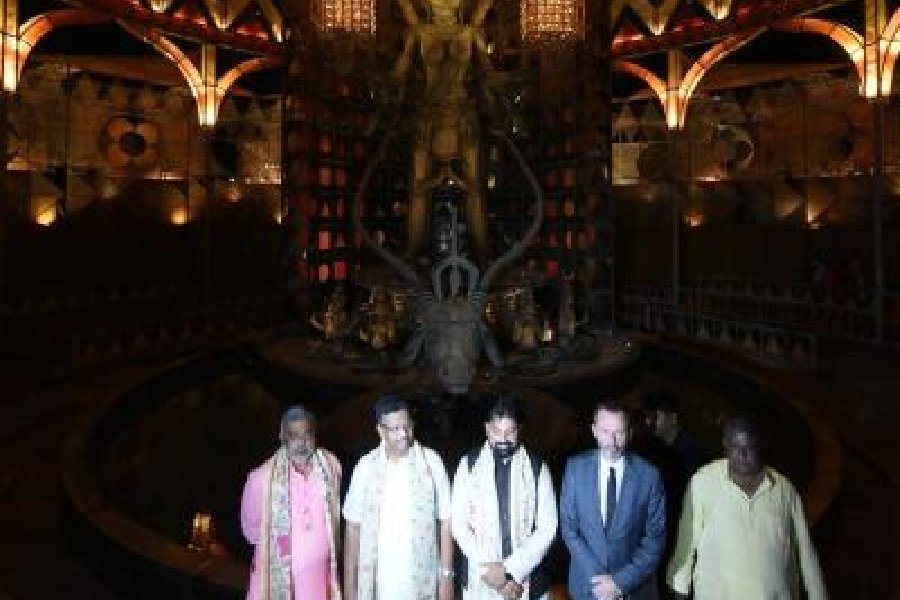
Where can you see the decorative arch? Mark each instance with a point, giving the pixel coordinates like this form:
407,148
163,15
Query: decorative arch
226,81
890,44
34,29
657,85
171,52
248,66
207,90
702,66
851,42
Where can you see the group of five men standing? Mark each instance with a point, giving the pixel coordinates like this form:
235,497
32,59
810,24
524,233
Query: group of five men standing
402,518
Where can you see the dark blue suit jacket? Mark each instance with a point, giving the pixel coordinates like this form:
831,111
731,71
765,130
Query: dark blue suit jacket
633,547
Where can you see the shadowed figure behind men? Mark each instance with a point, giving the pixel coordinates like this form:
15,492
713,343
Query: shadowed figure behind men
674,451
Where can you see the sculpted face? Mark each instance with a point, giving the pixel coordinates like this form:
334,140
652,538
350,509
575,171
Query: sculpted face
396,432
610,429
299,437
456,350
742,452
502,435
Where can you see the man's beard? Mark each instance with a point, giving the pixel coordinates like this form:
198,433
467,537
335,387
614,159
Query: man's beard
504,450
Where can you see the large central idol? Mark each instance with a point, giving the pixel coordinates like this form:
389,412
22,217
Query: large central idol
447,137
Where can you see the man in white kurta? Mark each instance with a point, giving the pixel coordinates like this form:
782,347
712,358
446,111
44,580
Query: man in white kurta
740,541
398,544
504,512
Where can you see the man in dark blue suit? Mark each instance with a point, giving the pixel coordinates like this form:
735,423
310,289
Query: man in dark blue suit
612,515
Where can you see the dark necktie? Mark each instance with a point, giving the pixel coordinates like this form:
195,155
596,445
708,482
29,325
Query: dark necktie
610,498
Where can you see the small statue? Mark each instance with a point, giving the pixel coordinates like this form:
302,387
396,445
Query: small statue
335,323
381,326
527,326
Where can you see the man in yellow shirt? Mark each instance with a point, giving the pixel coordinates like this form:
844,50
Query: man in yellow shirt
742,534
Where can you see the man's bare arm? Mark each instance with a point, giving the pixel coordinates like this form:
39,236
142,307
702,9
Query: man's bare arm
446,583
351,560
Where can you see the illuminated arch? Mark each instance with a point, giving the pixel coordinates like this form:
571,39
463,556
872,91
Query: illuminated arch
206,108
171,52
34,29
702,66
227,80
248,66
657,85
890,48
851,42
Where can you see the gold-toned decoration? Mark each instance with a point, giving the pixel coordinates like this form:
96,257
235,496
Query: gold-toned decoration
345,16
550,22
10,42
446,117
202,532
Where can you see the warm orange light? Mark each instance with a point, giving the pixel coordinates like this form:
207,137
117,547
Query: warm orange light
178,216
547,22
232,191
46,217
202,532
160,6
695,219
345,16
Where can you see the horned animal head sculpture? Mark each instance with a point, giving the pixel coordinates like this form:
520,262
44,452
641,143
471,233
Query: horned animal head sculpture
451,331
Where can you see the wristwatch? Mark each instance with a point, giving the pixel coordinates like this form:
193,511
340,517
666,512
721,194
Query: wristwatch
447,573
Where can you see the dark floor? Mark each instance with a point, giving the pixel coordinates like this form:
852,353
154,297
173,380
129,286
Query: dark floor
859,549
857,538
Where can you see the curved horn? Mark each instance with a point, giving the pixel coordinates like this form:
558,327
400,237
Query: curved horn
518,249
405,270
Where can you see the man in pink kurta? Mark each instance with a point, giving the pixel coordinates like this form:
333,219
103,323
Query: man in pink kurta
297,559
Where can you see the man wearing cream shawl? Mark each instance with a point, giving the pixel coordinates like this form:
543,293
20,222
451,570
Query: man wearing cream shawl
290,513
397,543
504,511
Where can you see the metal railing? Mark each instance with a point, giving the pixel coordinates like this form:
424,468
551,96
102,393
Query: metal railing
850,316
780,346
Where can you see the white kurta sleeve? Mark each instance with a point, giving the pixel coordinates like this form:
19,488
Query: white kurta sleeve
680,573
